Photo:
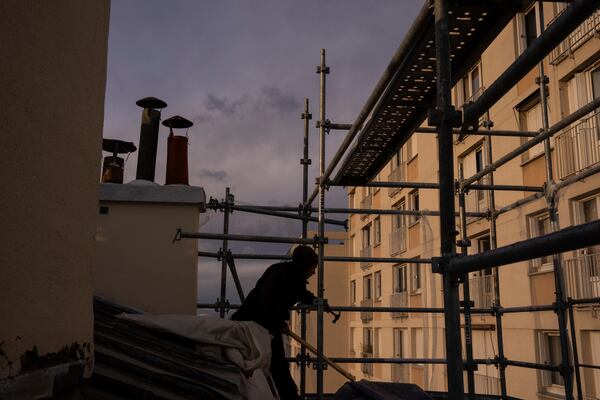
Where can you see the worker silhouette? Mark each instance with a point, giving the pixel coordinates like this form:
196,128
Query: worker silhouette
280,287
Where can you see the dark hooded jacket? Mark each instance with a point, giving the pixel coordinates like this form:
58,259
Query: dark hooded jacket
278,289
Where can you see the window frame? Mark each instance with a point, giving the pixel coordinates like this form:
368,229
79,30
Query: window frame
416,277
376,231
353,291
400,275
413,200
537,265
377,285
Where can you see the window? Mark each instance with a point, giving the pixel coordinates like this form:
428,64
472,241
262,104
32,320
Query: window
469,88
472,163
377,277
415,274
399,221
540,225
411,147
531,120
397,159
367,287
377,231
351,341
588,210
353,292
550,353
366,236
527,28
400,284
417,342
398,343
367,341
413,199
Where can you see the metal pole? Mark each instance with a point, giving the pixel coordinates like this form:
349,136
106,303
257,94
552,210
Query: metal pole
225,250
234,275
482,132
395,212
323,70
272,213
566,367
464,245
307,116
244,238
446,113
493,245
575,352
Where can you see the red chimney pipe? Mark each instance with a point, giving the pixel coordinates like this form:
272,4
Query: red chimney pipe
177,152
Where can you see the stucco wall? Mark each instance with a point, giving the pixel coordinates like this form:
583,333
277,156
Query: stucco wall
138,264
53,76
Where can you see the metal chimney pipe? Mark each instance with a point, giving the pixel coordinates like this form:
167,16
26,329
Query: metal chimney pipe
177,161
146,165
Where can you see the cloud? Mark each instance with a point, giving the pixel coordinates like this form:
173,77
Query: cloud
279,101
217,175
223,104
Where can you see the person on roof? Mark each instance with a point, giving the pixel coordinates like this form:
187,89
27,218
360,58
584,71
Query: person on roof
280,287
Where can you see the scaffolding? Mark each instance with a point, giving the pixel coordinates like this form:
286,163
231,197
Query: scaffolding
373,145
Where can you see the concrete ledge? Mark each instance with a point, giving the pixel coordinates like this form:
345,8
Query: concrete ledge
140,191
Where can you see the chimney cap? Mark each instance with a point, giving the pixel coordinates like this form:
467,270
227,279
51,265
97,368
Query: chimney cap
116,146
151,102
177,122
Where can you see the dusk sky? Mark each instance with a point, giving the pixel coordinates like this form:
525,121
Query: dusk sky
240,70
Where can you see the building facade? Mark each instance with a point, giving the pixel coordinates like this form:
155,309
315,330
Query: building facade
573,69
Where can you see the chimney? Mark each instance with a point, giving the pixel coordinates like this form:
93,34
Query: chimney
112,166
146,166
177,160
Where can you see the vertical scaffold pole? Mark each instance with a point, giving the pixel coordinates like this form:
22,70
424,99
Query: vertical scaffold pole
323,70
575,352
493,245
566,368
224,250
444,116
306,116
464,245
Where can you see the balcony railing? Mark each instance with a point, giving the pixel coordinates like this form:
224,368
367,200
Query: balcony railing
582,276
398,240
397,175
400,373
578,146
486,384
399,299
481,289
588,29
366,203
366,252
366,316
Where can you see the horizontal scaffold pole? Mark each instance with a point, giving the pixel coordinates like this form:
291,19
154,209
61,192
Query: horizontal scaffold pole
394,212
244,238
567,239
591,106
431,185
553,35
391,260
257,210
483,132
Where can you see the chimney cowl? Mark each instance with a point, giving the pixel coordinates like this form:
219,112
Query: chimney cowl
151,102
112,167
177,122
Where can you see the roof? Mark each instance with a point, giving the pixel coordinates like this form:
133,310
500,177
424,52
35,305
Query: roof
403,105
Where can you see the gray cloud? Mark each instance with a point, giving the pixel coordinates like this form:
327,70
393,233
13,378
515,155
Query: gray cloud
282,102
217,175
223,104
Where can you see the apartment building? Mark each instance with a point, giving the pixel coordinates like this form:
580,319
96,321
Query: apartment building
573,69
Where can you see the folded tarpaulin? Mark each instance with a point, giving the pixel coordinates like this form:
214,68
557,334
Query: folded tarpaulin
365,390
243,343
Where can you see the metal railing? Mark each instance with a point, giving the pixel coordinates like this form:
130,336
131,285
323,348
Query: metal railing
366,316
482,290
397,175
578,147
485,384
397,240
399,299
582,276
588,29
366,252
400,373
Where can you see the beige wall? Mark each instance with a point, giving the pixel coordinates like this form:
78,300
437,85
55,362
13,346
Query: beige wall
53,74
139,266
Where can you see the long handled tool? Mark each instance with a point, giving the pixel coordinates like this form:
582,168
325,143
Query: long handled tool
327,360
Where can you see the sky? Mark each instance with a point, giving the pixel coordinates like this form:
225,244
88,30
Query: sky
241,70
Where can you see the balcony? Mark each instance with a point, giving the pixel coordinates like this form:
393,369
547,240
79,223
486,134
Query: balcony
481,289
582,276
366,203
400,373
399,299
398,240
486,384
578,147
397,175
366,252
588,29
366,316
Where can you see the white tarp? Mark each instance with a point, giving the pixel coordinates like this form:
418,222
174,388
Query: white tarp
244,343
